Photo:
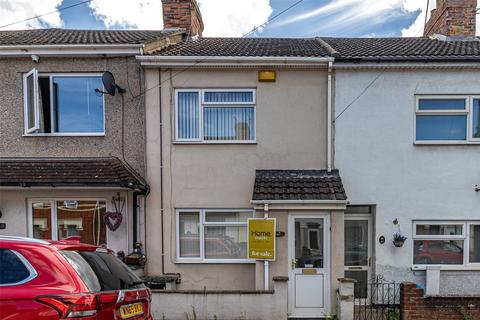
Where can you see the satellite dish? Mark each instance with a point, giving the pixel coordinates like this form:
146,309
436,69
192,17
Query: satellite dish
109,84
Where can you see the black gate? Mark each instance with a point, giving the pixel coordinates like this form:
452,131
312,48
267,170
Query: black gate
377,299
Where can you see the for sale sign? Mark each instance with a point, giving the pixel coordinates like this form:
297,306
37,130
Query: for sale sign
261,239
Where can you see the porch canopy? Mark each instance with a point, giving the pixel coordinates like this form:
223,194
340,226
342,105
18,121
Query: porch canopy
298,187
107,172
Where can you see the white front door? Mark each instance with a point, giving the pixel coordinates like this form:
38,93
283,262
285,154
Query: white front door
309,254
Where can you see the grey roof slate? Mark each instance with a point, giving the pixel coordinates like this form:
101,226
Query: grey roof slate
408,49
247,47
69,172
72,36
387,49
298,185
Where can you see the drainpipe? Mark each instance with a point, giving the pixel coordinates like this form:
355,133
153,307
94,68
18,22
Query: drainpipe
329,117
265,262
161,171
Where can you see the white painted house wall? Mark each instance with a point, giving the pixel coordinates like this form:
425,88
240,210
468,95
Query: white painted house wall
380,164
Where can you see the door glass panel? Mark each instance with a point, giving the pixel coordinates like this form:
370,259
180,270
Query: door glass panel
42,220
475,243
82,219
309,243
356,242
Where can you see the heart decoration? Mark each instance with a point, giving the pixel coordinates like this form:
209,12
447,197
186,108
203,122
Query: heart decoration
112,220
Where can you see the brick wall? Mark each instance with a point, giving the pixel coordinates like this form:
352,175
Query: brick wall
414,306
453,18
183,14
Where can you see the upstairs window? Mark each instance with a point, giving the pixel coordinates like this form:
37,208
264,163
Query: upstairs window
215,116
453,119
63,104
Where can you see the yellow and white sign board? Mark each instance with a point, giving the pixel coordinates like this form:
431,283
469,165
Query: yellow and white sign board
261,239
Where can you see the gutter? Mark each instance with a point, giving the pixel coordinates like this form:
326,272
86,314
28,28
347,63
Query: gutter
263,202
405,65
175,61
70,49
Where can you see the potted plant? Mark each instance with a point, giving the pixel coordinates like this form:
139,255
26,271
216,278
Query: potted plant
398,240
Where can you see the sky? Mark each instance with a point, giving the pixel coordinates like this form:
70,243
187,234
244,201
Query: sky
232,18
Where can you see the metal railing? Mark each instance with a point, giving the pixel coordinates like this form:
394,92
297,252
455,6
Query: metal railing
377,299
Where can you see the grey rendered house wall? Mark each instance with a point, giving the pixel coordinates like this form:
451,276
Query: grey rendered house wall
13,143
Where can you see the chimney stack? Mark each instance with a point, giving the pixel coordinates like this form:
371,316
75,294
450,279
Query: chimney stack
453,18
183,14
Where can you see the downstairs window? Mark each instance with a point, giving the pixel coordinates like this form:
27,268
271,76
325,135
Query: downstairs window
212,235
449,243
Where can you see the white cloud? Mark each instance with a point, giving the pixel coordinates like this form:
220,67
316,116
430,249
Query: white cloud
140,14
416,29
221,17
233,18
16,10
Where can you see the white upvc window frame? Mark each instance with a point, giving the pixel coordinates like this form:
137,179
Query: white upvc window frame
465,237
36,105
472,139
468,111
202,224
202,104
31,132
53,218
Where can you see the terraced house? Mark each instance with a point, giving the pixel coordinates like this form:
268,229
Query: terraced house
71,155
365,151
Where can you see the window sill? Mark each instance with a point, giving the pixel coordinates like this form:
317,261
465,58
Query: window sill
214,142
473,267
446,143
216,261
64,134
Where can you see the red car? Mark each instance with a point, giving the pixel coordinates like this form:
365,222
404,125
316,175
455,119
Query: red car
51,280
437,252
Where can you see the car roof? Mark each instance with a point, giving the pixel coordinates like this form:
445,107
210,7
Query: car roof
73,244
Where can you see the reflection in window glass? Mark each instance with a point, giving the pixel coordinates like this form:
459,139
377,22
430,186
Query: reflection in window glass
441,127
309,254
476,118
82,219
438,252
77,107
212,216
475,243
226,242
189,233
42,220
356,242
441,104
439,229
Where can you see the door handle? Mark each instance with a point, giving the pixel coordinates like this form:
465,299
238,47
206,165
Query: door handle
369,261
294,263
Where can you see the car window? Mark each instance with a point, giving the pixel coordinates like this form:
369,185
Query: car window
12,270
112,273
83,269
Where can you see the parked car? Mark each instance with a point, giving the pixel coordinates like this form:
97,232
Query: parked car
50,280
437,252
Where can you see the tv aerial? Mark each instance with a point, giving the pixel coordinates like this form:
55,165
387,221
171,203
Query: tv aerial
109,84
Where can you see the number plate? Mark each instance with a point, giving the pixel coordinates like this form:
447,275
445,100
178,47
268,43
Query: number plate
131,310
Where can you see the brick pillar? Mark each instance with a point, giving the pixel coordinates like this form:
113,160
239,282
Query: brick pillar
453,18
411,301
